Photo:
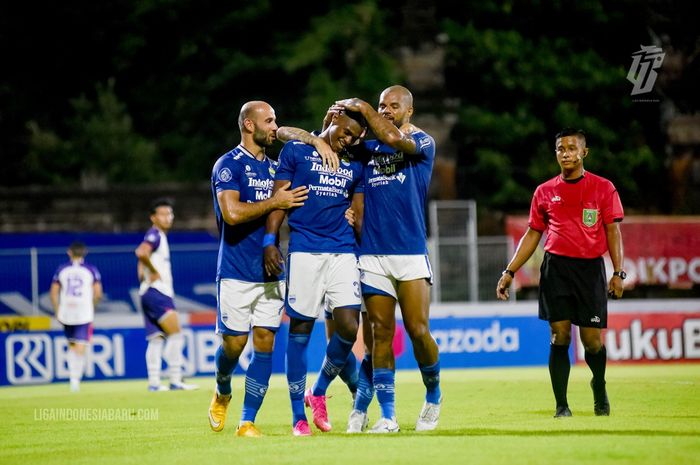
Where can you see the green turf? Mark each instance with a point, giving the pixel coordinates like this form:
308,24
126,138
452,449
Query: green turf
491,416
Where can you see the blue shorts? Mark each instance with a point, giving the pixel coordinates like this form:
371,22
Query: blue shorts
155,305
78,333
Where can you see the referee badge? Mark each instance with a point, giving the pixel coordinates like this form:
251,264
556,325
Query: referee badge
590,216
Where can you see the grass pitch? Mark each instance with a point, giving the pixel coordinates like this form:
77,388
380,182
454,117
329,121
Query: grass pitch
489,416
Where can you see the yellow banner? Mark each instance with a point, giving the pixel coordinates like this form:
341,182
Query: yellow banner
10,324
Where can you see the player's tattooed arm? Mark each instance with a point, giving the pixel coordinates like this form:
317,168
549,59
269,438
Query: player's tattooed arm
328,156
382,128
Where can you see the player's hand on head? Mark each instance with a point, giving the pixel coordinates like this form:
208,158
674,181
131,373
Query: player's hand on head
273,260
502,292
333,111
351,104
286,198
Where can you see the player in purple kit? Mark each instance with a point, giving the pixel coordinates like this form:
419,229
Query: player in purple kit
75,290
165,338
394,265
322,266
242,181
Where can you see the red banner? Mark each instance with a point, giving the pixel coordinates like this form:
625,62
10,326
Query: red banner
651,338
659,250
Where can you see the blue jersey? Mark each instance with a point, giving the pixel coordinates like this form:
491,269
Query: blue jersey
320,225
240,246
396,188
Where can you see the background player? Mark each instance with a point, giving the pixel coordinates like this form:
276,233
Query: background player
75,291
581,213
395,266
322,266
165,339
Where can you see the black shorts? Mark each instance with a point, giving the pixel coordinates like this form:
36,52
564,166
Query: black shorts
573,289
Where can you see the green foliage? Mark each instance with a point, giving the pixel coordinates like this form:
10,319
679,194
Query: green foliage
528,80
101,143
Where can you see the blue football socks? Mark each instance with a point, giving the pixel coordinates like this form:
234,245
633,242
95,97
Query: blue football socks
224,368
431,380
297,345
257,380
365,384
336,356
349,373
384,385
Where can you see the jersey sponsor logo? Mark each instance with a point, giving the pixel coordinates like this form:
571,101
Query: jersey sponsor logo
386,159
332,181
384,169
260,183
424,142
341,172
595,319
262,195
590,216
225,175
556,198
401,177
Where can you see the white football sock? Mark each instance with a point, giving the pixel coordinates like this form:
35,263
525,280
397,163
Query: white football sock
154,360
173,356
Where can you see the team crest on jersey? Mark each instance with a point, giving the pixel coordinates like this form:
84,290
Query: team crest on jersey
225,175
590,216
345,161
271,170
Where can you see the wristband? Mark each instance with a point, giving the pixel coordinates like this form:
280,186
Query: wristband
269,239
509,273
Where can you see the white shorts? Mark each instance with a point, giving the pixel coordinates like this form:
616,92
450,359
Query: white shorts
380,274
243,305
316,281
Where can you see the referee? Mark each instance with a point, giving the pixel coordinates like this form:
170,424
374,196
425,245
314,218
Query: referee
581,213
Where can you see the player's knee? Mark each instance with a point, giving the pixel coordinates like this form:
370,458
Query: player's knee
417,330
263,340
348,332
561,338
592,345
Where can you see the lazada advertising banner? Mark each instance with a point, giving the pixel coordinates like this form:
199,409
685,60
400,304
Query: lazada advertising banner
659,250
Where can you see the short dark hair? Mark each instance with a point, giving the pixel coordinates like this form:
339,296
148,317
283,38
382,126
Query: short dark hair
570,132
78,248
357,116
161,202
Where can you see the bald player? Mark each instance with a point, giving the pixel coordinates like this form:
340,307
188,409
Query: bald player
393,255
247,298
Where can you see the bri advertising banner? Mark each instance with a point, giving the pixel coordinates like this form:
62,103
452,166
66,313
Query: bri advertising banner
40,357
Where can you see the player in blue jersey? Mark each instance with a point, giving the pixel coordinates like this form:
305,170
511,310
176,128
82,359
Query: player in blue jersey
321,265
75,290
241,182
163,332
393,258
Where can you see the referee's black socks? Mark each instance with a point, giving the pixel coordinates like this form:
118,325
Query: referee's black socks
597,363
559,368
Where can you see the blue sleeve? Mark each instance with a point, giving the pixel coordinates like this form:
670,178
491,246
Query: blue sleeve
226,175
360,186
425,145
287,163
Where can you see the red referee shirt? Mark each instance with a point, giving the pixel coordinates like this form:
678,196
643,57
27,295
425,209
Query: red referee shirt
573,215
